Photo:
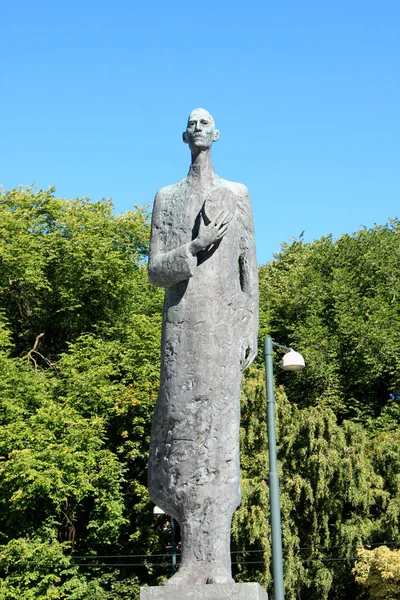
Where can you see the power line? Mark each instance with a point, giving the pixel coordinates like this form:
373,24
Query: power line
241,563
93,556
99,564
98,561
234,552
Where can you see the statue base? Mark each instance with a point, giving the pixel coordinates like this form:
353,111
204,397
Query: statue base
232,591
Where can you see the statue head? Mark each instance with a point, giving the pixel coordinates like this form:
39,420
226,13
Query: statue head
200,131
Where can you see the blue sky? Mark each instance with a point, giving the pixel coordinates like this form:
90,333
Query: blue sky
94,97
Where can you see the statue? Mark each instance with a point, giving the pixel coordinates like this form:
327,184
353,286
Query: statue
202,252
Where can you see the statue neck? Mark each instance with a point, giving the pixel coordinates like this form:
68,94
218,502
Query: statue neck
201,167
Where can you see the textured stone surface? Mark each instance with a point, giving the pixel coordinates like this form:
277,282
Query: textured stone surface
202,252
235,591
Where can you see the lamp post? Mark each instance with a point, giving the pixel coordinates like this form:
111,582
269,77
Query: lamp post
159,511
292,361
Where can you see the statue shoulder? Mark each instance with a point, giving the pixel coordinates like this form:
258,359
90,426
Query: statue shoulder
169,190
243,202
239,189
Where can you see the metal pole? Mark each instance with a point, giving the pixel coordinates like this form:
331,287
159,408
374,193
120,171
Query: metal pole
173,543
275,507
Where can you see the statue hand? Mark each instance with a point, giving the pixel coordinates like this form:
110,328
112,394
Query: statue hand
249,352
211,233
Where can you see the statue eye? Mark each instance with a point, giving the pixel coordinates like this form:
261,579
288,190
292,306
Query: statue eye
204,122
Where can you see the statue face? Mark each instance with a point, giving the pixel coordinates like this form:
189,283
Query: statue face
200,131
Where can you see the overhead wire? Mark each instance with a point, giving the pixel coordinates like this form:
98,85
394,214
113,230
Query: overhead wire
233,552
98,561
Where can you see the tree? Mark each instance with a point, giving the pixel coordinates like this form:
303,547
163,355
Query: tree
378,570
68,267
337,302
79,368
334,495
79,335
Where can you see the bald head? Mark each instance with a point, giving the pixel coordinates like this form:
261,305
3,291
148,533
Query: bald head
200,130
201,113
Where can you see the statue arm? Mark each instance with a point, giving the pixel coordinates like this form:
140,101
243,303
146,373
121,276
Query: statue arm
249,279
167,267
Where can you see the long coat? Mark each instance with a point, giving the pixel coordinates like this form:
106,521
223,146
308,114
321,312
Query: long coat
210,314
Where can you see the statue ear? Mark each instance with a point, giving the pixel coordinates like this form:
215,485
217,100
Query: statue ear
185,137
216,135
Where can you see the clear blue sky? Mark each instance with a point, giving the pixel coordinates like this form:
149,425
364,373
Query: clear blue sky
94,97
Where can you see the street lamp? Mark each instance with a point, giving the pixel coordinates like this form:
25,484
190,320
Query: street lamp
159,511
292,361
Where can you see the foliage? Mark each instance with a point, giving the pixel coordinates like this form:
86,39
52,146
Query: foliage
384,449
79,367
330,493
334,494
379,571
67,266
35,569
338,445
250,529
338,302
79,347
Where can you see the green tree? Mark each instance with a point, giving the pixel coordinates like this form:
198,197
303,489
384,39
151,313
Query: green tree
337,302
339,489
67,267
79,367
79,354
251,540
378,570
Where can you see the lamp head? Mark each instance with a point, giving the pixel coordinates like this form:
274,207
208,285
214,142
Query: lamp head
158,511
293,361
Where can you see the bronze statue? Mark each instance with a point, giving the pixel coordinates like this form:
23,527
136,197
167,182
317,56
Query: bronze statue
202,252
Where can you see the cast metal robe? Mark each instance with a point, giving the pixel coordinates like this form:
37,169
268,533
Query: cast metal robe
210,314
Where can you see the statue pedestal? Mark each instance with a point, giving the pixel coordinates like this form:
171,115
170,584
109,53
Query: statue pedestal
234,591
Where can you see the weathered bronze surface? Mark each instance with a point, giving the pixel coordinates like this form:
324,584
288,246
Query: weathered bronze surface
203,253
